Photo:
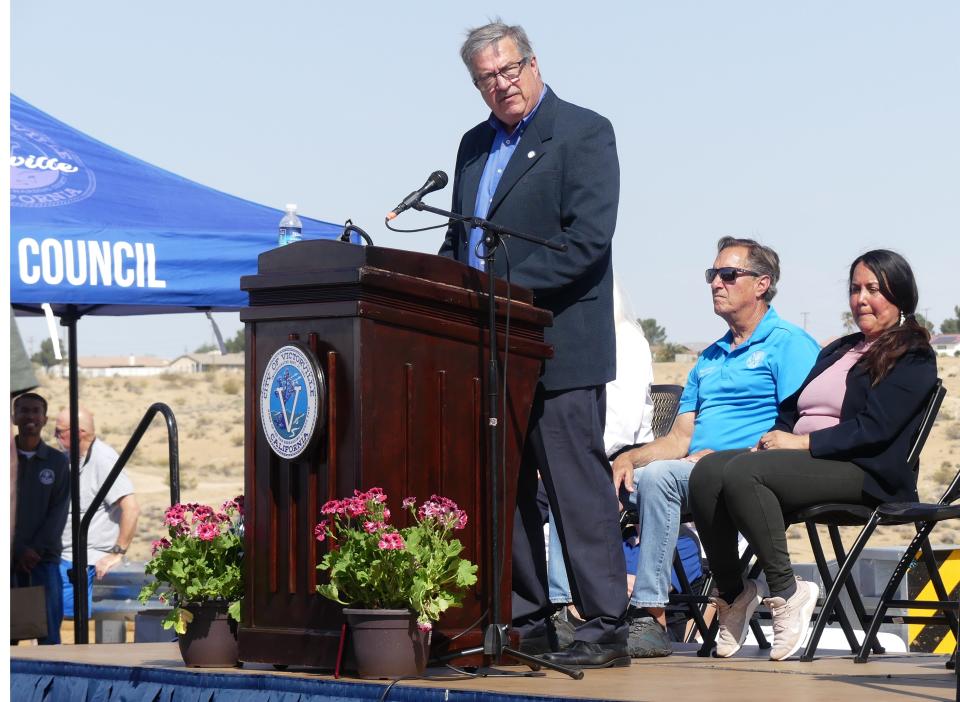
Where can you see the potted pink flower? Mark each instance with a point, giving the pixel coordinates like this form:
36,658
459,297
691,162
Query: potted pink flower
394,581
198,569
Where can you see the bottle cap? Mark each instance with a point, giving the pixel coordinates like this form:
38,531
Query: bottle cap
291,207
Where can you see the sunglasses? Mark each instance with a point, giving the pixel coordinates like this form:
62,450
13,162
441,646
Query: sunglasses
727,274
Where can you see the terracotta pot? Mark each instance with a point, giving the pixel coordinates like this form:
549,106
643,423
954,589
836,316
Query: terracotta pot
211,638
387,643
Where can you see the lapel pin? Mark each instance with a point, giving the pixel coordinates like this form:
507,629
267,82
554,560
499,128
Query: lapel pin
531,154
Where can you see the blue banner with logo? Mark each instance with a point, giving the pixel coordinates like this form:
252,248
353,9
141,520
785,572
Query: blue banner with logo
96,227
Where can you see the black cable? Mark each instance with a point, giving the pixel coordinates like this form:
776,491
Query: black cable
503,411
412,231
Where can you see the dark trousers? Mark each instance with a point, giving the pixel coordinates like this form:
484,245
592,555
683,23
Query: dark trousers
565,444
749,492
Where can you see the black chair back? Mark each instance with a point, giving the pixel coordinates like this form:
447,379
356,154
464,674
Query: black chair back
666,402
926,424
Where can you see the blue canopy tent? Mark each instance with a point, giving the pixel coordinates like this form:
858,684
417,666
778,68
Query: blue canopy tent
94,227
97,231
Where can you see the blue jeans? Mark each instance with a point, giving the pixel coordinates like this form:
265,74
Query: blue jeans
68,589
558,582
47,575
662,494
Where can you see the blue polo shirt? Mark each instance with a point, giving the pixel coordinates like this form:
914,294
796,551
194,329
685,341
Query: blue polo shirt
735,393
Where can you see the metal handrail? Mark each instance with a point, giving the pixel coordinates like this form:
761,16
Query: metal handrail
81,616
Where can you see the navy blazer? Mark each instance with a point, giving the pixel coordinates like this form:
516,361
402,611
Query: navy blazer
878,423
563,184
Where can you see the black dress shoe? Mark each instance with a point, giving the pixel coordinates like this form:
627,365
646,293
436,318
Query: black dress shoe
583,654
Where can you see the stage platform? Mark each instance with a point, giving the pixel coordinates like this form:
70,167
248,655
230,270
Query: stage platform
154,672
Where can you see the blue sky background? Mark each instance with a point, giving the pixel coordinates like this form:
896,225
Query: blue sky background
822,128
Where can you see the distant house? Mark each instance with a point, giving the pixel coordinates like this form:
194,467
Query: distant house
691,351
946,344
112,366
200,362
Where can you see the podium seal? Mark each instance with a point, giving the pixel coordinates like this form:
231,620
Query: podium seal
291,400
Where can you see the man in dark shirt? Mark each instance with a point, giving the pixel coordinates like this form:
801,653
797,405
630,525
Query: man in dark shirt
43,497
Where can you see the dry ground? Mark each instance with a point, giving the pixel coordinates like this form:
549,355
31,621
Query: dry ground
209,411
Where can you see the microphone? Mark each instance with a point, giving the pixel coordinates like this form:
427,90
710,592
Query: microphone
436,181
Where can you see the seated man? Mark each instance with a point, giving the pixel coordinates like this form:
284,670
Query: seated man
730,399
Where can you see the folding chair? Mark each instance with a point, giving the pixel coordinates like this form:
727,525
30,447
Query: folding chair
926,516
666,403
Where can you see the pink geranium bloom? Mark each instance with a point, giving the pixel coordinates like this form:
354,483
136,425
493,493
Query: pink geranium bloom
208,531
409,502
320,531
174,515
202,513
391,542
332,507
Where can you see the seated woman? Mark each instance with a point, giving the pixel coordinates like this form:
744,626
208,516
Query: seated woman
842,437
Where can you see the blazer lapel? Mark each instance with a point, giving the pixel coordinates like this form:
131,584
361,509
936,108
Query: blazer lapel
533,144
473,172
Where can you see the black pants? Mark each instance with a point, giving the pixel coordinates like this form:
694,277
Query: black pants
565,443
749,492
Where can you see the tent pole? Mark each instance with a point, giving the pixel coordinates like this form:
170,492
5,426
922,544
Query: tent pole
79,556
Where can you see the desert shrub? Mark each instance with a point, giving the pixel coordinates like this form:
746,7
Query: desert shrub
953,431
944,474
237,439
231,386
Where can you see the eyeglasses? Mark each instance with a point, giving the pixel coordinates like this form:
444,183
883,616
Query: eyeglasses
510,72
727,274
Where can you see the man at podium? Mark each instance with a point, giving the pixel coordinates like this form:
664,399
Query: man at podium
545,167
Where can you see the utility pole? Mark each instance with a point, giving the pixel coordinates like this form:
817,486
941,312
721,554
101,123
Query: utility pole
804,315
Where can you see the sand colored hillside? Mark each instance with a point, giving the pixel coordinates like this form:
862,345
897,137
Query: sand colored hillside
209,411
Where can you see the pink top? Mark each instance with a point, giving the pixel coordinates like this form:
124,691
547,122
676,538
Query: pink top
819,403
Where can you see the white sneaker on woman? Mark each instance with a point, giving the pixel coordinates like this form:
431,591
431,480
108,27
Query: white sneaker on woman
791,619
734,619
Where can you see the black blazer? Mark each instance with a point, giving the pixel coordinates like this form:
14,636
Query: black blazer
563,184
878,424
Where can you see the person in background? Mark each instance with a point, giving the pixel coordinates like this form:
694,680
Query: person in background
730,398
22,379
114,525
628,423
43,497
843,436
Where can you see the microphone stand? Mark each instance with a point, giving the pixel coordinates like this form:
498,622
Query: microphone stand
495,638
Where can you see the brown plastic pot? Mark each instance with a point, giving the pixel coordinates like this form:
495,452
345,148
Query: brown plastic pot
387,643
211,638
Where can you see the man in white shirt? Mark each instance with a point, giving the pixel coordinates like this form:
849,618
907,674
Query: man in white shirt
113,526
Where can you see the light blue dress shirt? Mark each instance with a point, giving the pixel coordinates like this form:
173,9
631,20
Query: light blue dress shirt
500,152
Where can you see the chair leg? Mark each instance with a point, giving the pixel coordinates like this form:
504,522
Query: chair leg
935,579
693,608
909,555
834,595
758,634
854,594
827,578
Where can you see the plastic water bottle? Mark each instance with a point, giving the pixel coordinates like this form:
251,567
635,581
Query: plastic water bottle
291,229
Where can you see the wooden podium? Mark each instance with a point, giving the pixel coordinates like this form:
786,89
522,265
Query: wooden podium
400,340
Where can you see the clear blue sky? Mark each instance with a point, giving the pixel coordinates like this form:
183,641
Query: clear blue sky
820,128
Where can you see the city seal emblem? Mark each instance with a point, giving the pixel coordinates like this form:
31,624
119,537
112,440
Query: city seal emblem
44,173
292,401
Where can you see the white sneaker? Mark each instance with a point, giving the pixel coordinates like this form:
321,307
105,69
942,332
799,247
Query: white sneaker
791,619
734,619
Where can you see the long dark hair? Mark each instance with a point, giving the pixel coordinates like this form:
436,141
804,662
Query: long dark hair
899,287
